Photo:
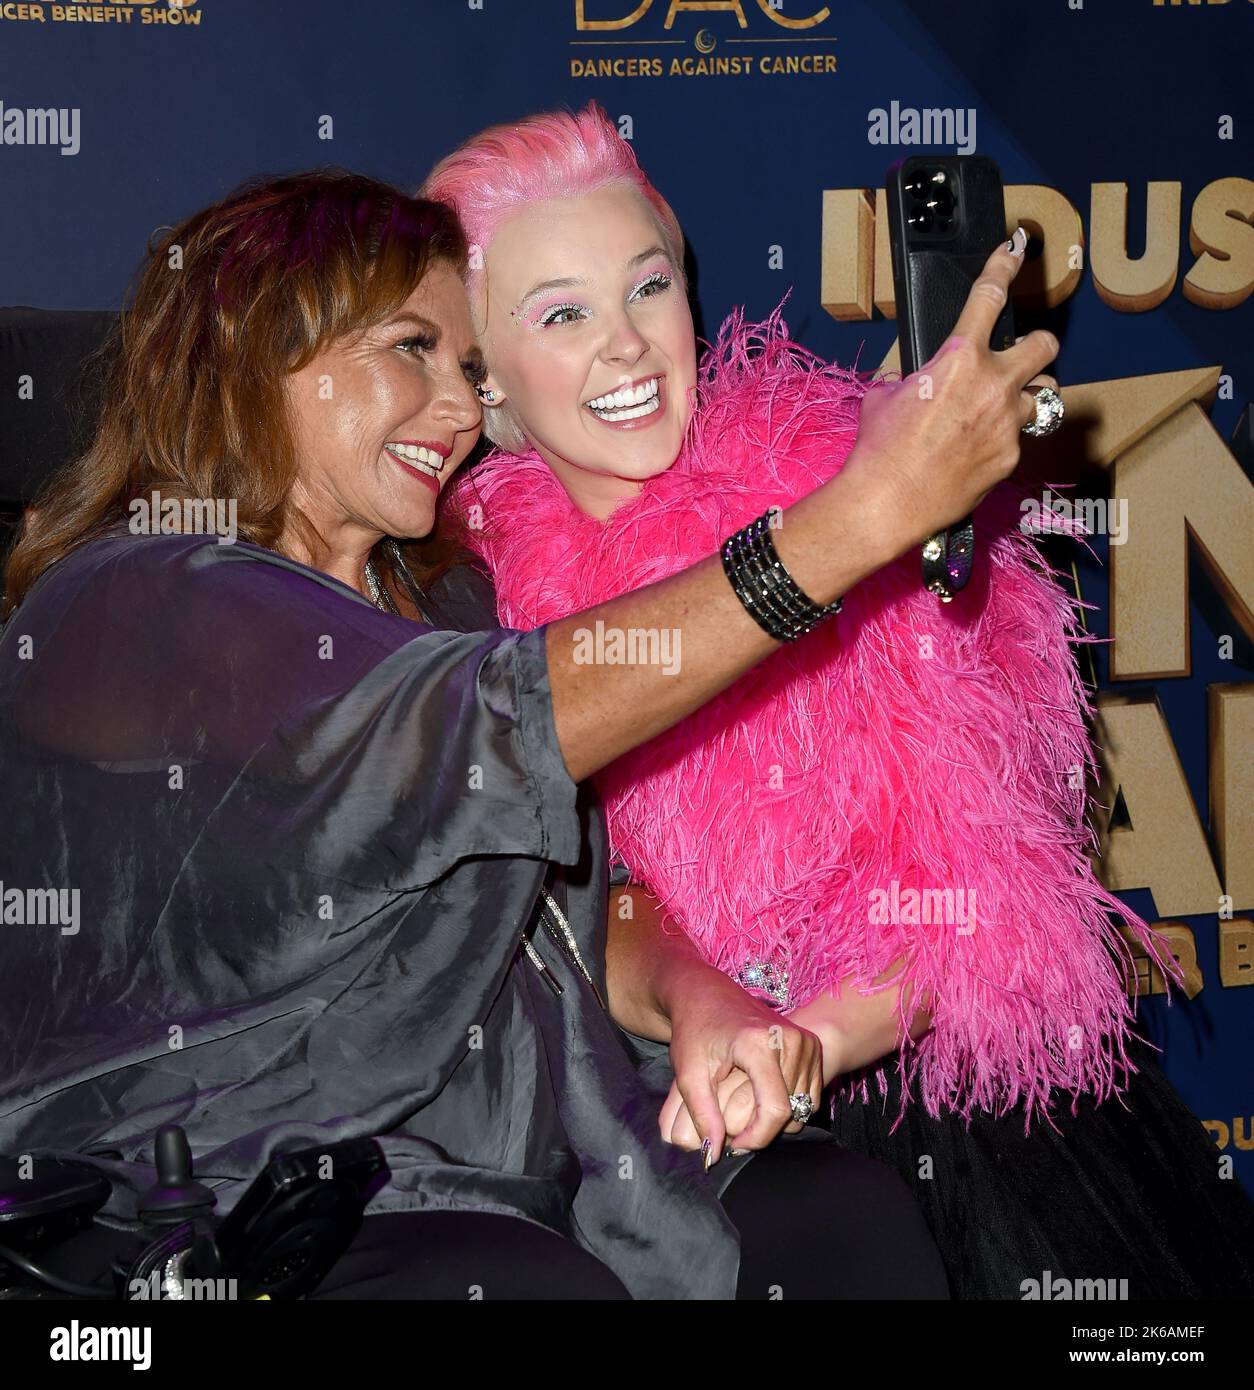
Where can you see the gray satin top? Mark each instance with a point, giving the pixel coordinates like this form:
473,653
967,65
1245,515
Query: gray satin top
296,842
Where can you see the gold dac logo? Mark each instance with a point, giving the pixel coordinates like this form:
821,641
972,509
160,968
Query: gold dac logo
772,12
768,51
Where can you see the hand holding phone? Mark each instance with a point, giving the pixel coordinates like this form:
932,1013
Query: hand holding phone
946,217
931,446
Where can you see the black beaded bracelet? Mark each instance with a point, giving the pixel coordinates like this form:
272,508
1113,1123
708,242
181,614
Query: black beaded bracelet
765,587
751,575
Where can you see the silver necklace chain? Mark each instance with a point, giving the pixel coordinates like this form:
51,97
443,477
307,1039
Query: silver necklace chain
379,595
375,588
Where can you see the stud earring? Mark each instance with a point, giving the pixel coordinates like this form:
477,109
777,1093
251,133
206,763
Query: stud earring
488,396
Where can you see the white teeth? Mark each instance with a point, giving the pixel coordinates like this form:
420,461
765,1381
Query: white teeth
426,459
634,412
627,400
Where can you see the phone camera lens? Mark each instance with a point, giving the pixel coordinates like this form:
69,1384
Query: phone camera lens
931,200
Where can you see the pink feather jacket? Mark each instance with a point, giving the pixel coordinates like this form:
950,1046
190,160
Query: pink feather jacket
814,815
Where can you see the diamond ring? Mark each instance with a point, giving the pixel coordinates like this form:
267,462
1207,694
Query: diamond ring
1049,412
802,1106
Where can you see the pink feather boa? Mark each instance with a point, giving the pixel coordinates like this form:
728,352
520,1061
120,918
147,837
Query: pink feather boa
935,746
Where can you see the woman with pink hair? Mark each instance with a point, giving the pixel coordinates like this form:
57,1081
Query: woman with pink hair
880,829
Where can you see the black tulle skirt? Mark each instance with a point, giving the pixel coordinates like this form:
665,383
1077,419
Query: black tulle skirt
1130,1190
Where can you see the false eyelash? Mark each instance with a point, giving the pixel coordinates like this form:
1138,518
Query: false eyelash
551,313
658,277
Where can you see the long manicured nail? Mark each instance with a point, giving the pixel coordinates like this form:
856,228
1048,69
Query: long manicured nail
707,1154
1017,243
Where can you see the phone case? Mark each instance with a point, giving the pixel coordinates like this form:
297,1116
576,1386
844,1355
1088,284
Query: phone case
946,214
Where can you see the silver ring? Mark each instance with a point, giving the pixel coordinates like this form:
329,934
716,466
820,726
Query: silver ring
802,1106
1049,412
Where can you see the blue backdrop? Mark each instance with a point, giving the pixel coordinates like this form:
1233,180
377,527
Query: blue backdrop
744,114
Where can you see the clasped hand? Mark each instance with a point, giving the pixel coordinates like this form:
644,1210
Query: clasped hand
736,1064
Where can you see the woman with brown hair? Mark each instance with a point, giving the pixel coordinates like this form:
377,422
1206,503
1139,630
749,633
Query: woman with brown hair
331,874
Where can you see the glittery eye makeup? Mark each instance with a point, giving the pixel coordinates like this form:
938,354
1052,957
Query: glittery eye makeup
658,280
553,312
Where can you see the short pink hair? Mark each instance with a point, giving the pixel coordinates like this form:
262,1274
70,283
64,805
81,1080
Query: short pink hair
556,154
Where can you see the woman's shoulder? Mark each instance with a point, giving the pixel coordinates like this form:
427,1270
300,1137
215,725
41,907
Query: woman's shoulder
121,541
114,550
121,551
129,571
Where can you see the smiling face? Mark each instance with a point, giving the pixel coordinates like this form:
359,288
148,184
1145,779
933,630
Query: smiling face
598,367
382,419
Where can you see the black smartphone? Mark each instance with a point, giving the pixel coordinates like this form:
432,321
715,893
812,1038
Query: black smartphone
946,214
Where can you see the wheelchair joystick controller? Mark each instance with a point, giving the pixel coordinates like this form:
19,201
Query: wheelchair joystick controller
284,1232
179,1211
175,1197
